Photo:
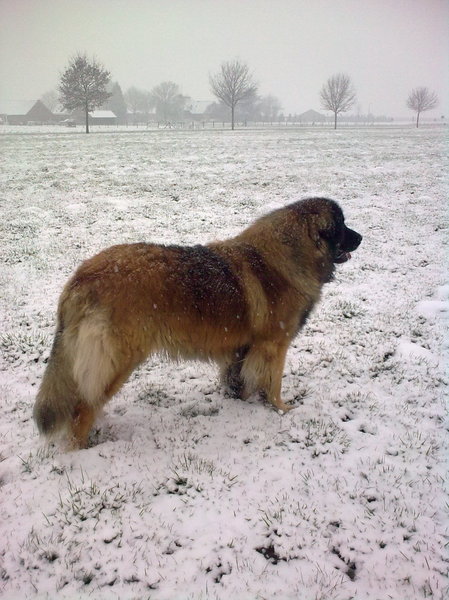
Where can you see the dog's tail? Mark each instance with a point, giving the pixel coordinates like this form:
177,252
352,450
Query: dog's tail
81,367
58,395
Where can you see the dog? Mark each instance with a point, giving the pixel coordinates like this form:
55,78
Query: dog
239,302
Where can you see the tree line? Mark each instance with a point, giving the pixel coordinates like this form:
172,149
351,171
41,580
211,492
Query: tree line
86,85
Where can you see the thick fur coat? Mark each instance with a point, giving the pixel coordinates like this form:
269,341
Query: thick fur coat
238,302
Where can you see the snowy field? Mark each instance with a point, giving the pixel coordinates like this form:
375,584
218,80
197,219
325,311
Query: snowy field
184,493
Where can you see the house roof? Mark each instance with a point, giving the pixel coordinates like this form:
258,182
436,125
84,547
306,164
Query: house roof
60,110
312,115
199,107
102,114
40,109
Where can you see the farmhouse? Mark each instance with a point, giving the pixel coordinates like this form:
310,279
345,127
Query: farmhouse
312,116
198,110
27,113
102,117
23,113
96,117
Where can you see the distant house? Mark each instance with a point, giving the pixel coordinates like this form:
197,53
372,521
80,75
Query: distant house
61,114
198,110
96,117
102,117
312,116
40,114
26,113
139,117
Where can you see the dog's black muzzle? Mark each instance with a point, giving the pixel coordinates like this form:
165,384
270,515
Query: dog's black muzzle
351,241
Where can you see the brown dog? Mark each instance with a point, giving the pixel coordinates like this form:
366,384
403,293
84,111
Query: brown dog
239,302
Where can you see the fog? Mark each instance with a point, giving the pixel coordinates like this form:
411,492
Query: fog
387,47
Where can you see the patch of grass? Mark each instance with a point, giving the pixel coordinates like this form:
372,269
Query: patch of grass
192,473
43,549
17,346
86,500
35,459
349,566
200,409
151,395
321,436
349,310
415,440
269,552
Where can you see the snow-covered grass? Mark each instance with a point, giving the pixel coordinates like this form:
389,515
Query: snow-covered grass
185,493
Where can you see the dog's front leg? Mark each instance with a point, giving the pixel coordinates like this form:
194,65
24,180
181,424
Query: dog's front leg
262,370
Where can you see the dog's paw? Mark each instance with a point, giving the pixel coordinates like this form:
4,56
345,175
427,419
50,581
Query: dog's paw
283,408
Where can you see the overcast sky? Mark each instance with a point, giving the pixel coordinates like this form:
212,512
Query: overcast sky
291,46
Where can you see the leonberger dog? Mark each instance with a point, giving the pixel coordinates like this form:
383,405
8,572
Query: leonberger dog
239,302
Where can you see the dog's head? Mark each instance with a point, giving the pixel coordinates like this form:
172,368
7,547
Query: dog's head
327,227
342,240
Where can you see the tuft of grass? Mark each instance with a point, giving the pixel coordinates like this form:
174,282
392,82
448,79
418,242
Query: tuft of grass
349,310
321,436
86,500
196,409
34,459
191,472
414,440
24,347
43,549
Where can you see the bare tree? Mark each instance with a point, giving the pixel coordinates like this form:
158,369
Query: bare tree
337,95
138,102
233,84
269,108
420,100
117,103
83,85
168,100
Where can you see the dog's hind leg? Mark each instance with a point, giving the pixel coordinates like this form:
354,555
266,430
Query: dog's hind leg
103,361
81,424
97,358
85,414
231,373
262,370
88,364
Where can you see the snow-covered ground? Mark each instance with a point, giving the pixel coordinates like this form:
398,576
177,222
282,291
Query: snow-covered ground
185,493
